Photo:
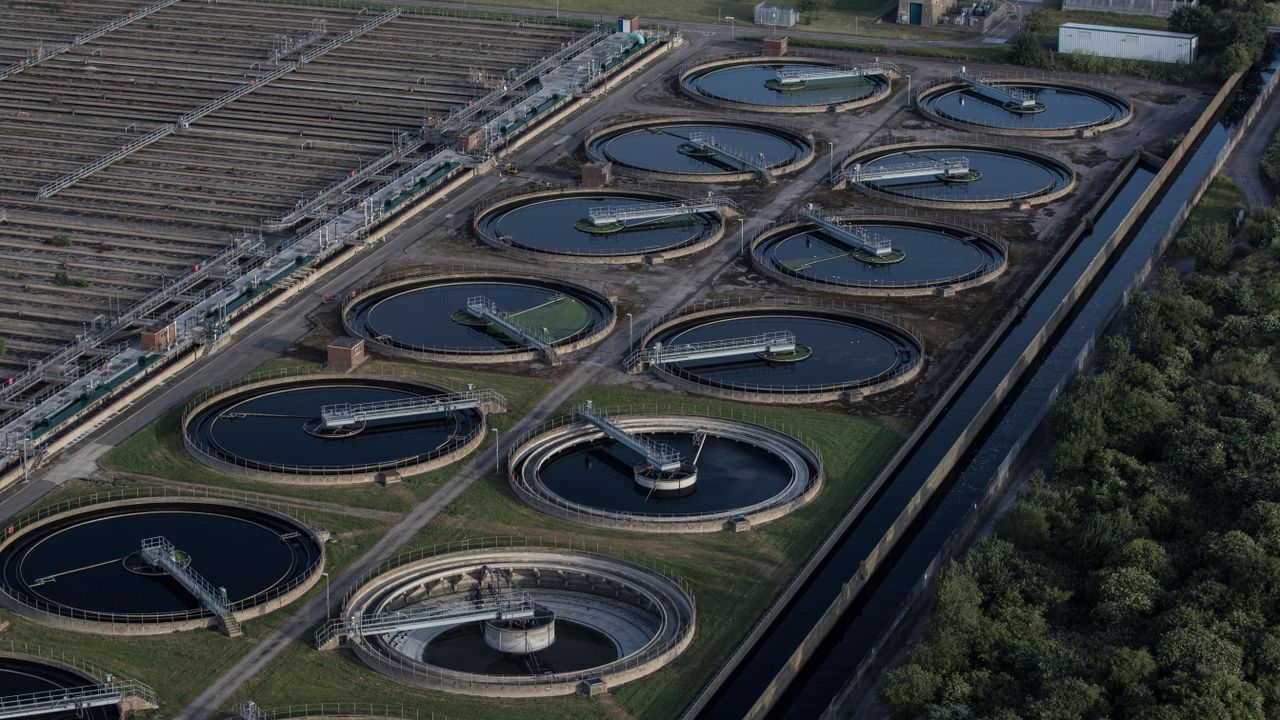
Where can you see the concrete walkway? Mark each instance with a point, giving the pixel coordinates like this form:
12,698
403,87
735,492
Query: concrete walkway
1242,166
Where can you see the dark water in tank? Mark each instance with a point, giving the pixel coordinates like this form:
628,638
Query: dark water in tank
1065,108
843,352
268,429
548,226
427,317
931,256
659,149
1005,176
20,677
731,474
577,647
80,564
746,84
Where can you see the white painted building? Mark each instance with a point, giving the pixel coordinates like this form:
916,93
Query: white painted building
1126,43
776,15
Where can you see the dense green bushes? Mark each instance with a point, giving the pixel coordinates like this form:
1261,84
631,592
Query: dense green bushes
1269,164
1141,580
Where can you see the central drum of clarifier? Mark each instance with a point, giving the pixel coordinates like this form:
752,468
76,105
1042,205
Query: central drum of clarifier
595,618
731,473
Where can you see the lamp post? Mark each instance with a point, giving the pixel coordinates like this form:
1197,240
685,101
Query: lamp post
741,236
831,156
328,607
496,437
732,25
631,330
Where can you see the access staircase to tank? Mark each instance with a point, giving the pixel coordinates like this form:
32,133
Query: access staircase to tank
158,552
855,237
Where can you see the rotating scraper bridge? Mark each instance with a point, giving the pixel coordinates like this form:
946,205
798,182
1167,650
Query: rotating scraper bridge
101,230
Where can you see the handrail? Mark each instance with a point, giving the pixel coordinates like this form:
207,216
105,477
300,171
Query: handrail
85,37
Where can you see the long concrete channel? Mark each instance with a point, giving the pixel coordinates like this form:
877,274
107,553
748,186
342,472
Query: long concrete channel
815,653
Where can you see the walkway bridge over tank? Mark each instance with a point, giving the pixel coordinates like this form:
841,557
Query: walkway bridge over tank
345,415
496,597
615,214
798,75
769,343
77,699
925,168
482,308
1003,94
855,237
158,552
657,455
731,156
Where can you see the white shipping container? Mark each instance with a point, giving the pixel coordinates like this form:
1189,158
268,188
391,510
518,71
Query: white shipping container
1126,43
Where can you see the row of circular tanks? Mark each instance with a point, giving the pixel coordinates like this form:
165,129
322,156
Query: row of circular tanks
574,620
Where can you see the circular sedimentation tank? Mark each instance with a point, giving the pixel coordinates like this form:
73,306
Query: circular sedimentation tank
270,429
28,675
597,617
83,569
556,225
885,256
967,176
837,354
697,150
731,471
434,318
1044,109
753,84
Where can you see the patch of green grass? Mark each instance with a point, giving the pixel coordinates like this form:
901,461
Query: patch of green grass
734,576
561,318
1219,204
